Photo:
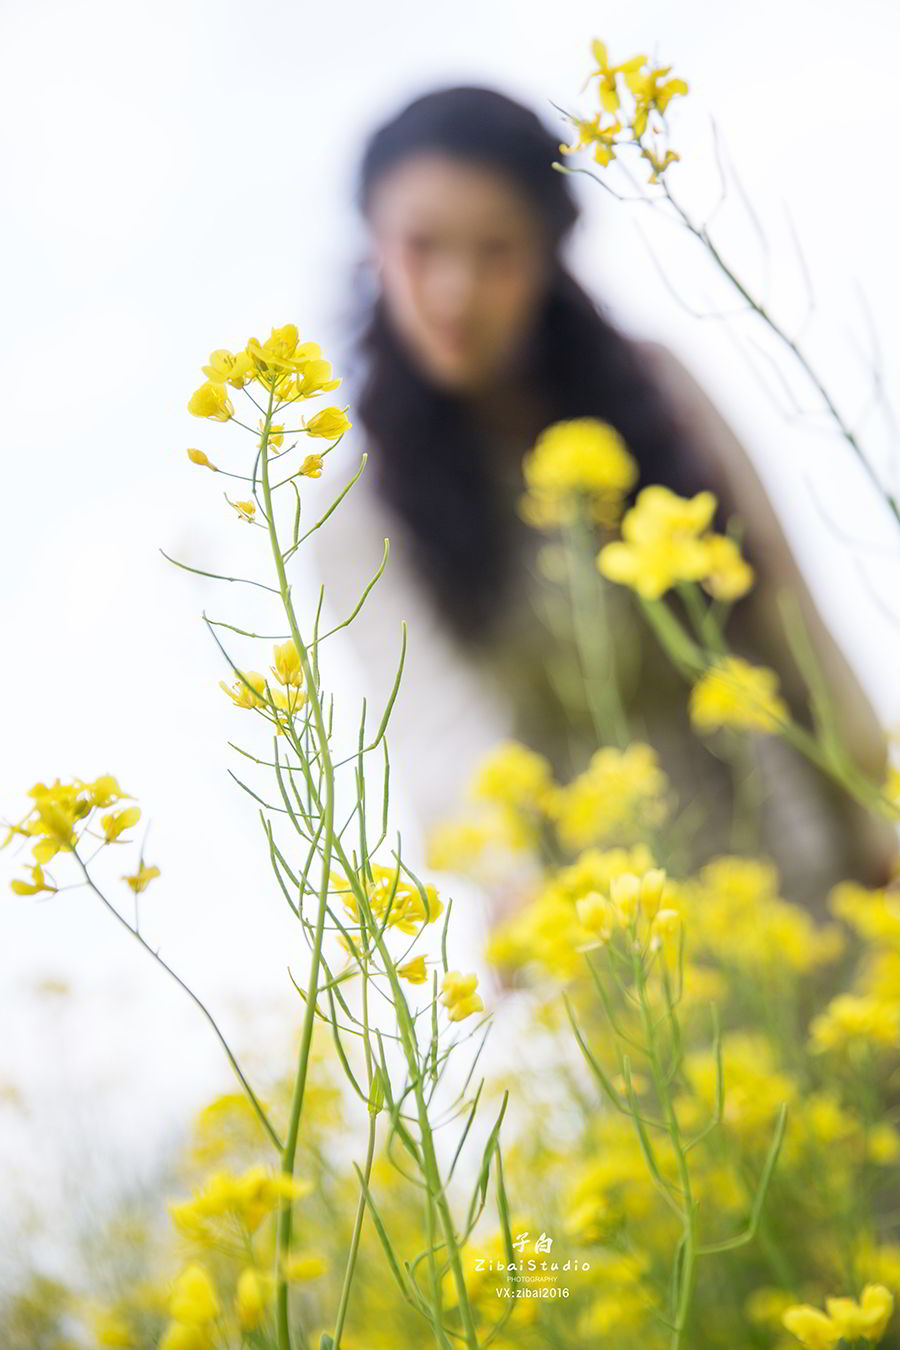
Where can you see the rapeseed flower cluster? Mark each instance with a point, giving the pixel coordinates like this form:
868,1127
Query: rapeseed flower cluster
581,461
65,813
633,96
396,900
665,540
252,690
846,1319
734,693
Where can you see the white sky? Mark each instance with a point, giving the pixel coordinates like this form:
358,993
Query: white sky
177,176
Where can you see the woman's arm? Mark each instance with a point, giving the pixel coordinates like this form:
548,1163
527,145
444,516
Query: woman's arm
726,465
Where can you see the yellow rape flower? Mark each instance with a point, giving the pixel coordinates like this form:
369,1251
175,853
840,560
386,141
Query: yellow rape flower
621,792
605,75
658,163
35,886
250,1299
278,354
249,1196
117,821
289,703
728,575
738,916
591,131
246,510
304,1266
234,368
459,997
313,377
875,914
211,400
733,693
52,818
651,92
813,1328
243,697
194,1300
413,971
140,880
312,466
851,1021
329,423
582,457
846,1319
105,790
514,776
112,1330
199,457
865,1320
660,542
393,896
288,667
598,915
184,1336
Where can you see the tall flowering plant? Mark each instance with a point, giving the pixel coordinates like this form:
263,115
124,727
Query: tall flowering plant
392,1007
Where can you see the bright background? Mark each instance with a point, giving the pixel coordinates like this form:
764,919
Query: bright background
178,176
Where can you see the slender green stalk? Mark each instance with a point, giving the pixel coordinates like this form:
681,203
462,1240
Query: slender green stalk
135,933
593,637
688,1245
289,1153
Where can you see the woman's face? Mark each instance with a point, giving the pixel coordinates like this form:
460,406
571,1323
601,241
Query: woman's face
463,266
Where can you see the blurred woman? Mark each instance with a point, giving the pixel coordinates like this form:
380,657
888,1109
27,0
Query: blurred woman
472,337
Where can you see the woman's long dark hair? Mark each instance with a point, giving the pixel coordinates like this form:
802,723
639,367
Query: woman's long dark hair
431,468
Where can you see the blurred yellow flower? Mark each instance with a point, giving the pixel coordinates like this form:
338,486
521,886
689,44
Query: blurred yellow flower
865,1320
660,542
728,575
118,821
413,971
459,995
812,1327
852,1021
304,1266
250,1298
194,1300
514,776
140,880
591,131
733,693
621,793
35,886
583,457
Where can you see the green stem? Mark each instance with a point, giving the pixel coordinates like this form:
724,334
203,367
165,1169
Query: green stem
701,233
289,1152
688,1246
367,1173
593,637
